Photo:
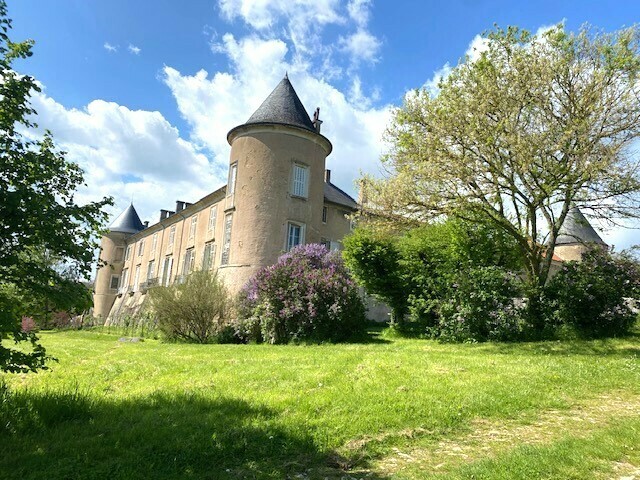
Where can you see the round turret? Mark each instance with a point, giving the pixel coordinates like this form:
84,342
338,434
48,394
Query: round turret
275,192
112,256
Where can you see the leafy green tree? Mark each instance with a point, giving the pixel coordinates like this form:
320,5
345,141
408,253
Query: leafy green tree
515,137
373,258
38,212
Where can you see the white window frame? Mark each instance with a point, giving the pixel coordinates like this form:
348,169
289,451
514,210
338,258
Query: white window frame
213,217
233,177
288,245
300,180
125,281
154,243
226,239
127,253
209,255
151,267
166,272
189,261
136,279
111,281
193,226
172,236
141,248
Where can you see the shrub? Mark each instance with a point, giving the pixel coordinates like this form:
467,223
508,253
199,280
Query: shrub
194,311
373,259
481,306
307,295
592,295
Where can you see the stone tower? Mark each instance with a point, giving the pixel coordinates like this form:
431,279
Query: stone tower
274,196
113,250
576,236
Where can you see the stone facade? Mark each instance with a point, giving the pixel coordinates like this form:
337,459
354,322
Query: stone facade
278,194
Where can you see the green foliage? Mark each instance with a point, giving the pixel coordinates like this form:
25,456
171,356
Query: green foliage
194,311
517,134
307,295
435,256
482,306
373,258
593,296
38,215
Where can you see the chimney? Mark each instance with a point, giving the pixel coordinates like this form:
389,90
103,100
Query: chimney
163,214
327,175
179,205
316,120
146,224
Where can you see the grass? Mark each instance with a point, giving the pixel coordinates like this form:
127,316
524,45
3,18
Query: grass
386,408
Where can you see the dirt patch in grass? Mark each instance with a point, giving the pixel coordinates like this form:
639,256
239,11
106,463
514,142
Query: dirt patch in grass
489,438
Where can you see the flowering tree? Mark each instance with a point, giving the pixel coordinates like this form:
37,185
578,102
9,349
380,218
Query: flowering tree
306,295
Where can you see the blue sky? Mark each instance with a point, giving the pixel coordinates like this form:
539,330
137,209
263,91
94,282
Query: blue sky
142,93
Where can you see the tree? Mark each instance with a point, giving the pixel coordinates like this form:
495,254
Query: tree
515,137
39,216
373,258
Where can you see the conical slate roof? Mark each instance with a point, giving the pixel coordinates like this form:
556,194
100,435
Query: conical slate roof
127,222
284,107
577,229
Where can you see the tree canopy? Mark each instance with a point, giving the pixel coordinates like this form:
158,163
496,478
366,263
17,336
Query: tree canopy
40,219
516,136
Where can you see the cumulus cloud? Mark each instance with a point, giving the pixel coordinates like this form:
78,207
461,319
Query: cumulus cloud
110,48
133,49
129,154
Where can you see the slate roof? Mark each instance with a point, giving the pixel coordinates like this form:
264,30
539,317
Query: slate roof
577,229
127,222
334,195
282,106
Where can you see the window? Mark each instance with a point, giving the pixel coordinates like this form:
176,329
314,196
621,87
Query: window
136,279
209,255
141,248
295,235
326,242
119,254
166,270
324,214
233,174
151,270
154,243
128,254
226,240
194,224
172,236
300,180
213,215
113,283
187,266
125,280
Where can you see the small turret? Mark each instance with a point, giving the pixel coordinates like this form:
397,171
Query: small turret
112,259
576,236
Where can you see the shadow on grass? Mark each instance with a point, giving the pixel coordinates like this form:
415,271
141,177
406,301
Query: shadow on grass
72,436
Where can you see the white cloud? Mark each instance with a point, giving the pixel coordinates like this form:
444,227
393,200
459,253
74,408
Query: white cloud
110,48
133,49
359,11
128,154
213,104
361,46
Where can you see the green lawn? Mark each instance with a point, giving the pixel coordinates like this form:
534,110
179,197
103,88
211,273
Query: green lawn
388,408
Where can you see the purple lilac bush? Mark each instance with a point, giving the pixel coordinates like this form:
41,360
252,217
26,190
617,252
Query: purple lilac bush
307,295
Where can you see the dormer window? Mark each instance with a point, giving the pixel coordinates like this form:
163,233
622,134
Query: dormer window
300,181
